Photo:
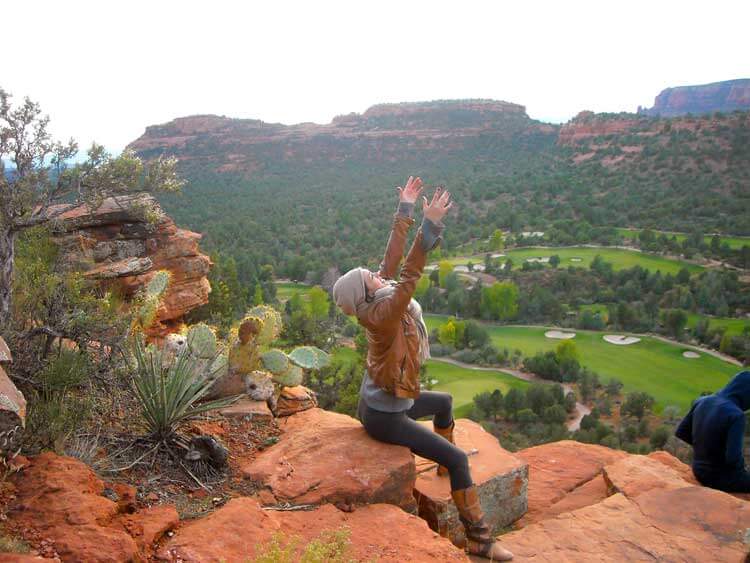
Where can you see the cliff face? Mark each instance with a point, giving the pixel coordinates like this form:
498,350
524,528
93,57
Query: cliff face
726,96
117,246
383,133
690,144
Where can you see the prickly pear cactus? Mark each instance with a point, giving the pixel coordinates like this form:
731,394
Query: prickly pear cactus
275,361
151,297
158,285
291,377
309,357
202,341
271,323
249,328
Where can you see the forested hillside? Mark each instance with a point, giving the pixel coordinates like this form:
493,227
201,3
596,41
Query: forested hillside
308,197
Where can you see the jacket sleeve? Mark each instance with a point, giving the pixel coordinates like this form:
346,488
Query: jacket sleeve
735,435
394,250
685,430
389,311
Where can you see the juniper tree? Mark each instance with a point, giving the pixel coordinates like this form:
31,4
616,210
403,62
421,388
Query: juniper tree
36,177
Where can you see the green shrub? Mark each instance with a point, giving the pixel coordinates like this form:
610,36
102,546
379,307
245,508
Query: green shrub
329,547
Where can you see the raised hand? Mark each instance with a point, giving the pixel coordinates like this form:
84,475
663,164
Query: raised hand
411,191
438,207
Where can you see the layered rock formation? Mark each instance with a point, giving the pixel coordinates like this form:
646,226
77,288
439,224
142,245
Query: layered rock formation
726,96
383,133
123,243
12,407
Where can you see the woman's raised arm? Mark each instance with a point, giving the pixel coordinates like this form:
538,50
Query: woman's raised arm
394,250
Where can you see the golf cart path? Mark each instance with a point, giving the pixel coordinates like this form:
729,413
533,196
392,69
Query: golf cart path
581,409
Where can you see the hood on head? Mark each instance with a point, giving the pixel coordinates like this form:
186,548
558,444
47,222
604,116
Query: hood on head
349,290
738,390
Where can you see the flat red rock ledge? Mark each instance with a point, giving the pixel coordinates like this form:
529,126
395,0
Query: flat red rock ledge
326,457
686,524
241,531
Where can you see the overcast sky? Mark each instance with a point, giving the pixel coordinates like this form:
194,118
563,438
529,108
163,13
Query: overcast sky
105,70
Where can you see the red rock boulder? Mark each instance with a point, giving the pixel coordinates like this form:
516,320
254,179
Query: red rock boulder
242,530
326,457
565,469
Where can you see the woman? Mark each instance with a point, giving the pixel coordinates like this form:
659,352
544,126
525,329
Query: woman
390,398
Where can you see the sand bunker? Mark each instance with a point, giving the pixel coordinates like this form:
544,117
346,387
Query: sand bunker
691,355
620,339
498,255
559,334
542,259
576,259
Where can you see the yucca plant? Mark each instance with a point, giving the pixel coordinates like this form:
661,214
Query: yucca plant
169,391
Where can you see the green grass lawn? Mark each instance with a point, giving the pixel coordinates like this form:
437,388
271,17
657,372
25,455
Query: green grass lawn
583,256
464,383
651,365
734,242
734,326
285,290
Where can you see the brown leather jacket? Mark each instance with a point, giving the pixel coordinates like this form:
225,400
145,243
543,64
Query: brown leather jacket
392,335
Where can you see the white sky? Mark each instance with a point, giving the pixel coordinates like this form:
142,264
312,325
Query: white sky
105,70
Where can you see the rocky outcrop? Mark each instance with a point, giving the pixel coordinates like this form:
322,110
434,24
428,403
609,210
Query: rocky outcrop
326,457
602,505
123,243
500,477
64,509
295,399
726,96
648,512
565,472
12,407
383,133
242,530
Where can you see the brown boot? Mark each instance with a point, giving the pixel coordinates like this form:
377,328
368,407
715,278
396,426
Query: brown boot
479,540
446,433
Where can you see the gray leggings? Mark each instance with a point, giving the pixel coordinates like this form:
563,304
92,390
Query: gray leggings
402,429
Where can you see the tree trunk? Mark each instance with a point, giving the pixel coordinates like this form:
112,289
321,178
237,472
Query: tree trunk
7,254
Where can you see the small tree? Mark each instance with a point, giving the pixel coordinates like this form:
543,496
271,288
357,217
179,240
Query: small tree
39,178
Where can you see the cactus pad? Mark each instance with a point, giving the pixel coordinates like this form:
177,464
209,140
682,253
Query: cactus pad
249,328
271,323
291,378
202,341
158,284
275,361
309,357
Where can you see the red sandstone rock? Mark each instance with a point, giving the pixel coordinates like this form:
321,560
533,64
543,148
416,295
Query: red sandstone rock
295,399
500,476
149,525
560,468
637,474
116,245
62,499
726,96
256,410
240,530
686,524
327,457
672,462
5,356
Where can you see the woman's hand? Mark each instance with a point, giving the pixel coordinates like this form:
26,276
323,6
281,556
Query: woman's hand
438,207
410,193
